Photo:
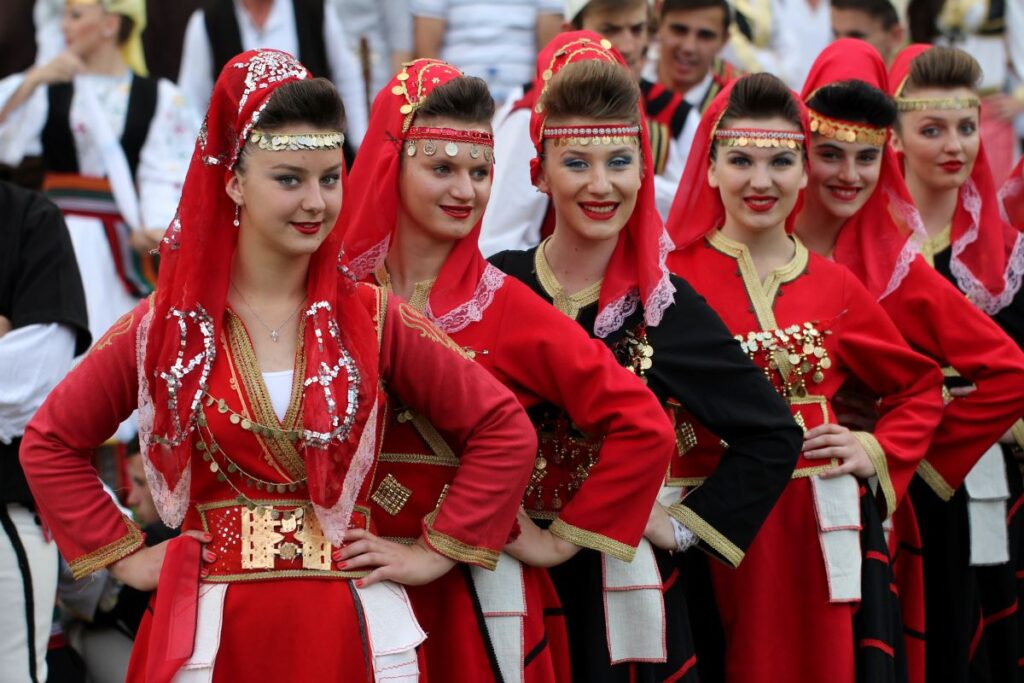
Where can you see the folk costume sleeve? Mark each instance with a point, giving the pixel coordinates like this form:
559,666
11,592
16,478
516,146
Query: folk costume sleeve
938,320
81,413
554,359
435,377
699,363
907,383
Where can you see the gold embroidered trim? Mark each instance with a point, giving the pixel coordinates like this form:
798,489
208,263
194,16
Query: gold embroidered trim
678,482
874,450
434,439
391,496
120,326
707,533
1017,430
244,355
286,574
937,104
762,295
936,244
931,476
592,540
846,131
570,304
421,290
413,319
419,459
107,555
755,137
457,550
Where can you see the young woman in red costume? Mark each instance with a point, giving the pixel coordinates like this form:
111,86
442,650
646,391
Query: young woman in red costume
971,535
256,370
420,186
858,211
801,607
604,267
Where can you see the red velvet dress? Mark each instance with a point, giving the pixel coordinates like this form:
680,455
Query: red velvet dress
780,621
287,614
550,359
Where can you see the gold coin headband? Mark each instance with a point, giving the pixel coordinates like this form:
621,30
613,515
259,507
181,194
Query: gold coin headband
944,104
275,142
592,135
480,143
846,131
759,137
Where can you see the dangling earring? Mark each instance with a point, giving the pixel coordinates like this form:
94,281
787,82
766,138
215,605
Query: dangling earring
238,212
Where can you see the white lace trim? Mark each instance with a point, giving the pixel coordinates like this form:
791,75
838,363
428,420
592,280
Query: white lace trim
171,505
367,262
968,282
612,316
1013,186
471,311
335,519
918,235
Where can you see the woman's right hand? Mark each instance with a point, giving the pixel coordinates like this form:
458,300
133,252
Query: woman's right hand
60,69
141,570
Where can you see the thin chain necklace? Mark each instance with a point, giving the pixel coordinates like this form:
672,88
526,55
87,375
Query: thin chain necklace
275,332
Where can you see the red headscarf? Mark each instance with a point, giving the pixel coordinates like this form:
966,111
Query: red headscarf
987,257
636,272
179,337
1011,196
697,209
466,284
879,242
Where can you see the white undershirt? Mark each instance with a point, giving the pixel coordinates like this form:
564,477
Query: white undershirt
279,387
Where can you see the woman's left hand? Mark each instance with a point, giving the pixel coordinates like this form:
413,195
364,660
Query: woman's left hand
660,531
412,565
836,441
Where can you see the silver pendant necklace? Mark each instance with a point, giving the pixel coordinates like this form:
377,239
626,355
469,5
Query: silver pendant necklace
275,332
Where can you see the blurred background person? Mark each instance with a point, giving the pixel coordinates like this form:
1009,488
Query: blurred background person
496,40
310,30
379,35
43,326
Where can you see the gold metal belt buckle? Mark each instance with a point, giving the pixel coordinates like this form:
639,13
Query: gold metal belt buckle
265,536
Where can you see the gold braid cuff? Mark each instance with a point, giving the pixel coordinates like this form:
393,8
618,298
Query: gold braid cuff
275,142
1018,433
108,554
931,476
712,537
945,103
457,550
876,454
593,540
846,131
757,137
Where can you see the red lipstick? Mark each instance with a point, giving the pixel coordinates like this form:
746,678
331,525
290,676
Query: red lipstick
459,212
760,203
952,166
308,228
599,211
844,193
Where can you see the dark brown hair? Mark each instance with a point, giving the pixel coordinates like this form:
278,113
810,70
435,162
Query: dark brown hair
854,101
314,102
760,96
690,5
605,6
124,30
465,99
880,10
593,89
943,67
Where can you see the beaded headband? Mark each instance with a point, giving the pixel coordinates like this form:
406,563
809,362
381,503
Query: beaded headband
945,103
592,135
275,142
759,137
846,131
474,138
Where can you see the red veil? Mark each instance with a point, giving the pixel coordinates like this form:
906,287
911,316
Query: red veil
697,209
636,272
466,284
880,241
179,337
987,257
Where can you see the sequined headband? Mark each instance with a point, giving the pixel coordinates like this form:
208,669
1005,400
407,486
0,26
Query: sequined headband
592,135
758,137
453,136
846,131
275,142
945,103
